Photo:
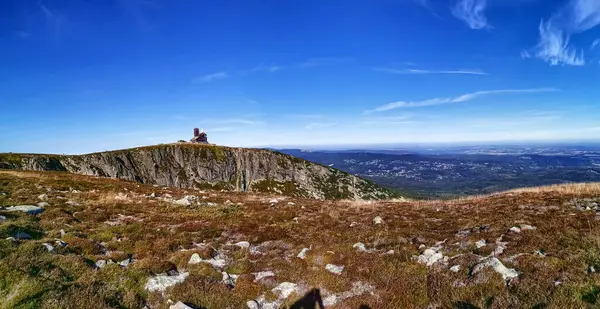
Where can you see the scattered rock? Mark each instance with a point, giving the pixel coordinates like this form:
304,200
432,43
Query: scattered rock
285,289
526,227
431,256
334,269
187,200
216,262
477,229
291,203
455,268
515,229
180,305
377,220
229,279
358,288
481,243
48,247
43,204
22,236
243,244
100,263
29,209
389,252
161,282
507,273
302,254
121,196
360,247
263,274
125,262
42,197
353,224
72,203
2,219
591,269
273,201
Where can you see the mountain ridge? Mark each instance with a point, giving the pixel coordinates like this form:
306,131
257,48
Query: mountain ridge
185,165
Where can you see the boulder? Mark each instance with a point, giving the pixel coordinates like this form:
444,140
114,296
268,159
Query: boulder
29,209
160,283
334,269
180,305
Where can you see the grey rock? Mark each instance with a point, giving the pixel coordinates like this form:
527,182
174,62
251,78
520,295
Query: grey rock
334,269
2,219
180,305
29,209
48,247
43,204
186,166
21,236
100,263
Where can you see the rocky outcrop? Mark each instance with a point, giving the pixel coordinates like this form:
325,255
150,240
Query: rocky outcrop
209,167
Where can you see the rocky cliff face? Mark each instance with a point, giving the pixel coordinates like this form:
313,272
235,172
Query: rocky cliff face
209,167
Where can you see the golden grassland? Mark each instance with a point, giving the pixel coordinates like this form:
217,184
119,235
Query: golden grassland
160,235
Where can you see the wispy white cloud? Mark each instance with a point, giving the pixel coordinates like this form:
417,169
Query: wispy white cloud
421,71
210,77
472,13
458,99
313,62
595,43
554,44
319,125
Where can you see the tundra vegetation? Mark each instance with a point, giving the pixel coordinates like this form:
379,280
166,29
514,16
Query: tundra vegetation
90,242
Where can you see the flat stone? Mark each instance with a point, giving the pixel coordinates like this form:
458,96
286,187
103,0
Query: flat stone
29,209
180,305
515,229
527,227
22,236
302,254
481,243
243,244
160,283
285,289
43,204
48,247
263,274
455,268
334,269
100,263
377,220
507,273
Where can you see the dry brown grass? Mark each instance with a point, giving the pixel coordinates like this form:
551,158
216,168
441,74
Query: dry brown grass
161,236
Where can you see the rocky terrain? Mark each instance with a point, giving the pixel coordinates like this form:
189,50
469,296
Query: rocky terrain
71,241
209,167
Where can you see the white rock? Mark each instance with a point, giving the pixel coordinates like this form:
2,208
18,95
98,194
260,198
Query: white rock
431,256
302,254
527,227
43,204
243,244
121,196
195,259
262,274
334,269
358,288
2,219
229,279
353,224
180,305
507,273
389,252
100,263
378,220
42,197
161,282
29,209
285,289
48,247
273,201
185,201
359,246
515,229
291,203
455,268
125,262
480,243
75,191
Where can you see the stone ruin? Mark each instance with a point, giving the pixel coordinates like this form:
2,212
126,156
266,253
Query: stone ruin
199,137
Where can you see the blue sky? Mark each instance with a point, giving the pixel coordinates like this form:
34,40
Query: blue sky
81,76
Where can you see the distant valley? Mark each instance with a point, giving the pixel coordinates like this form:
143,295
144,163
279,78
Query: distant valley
449,172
